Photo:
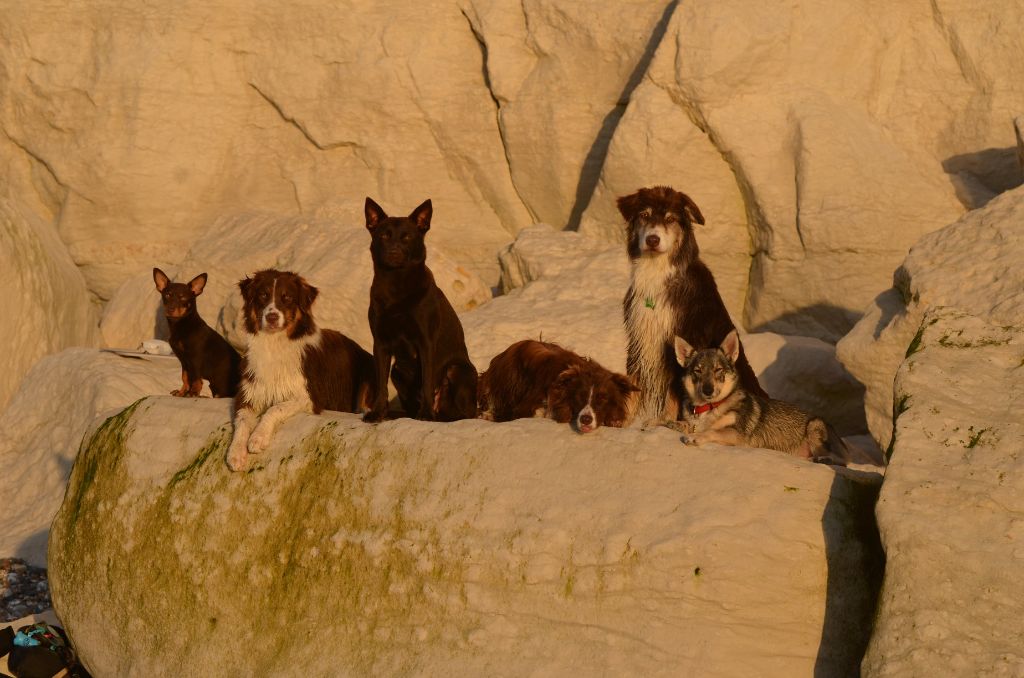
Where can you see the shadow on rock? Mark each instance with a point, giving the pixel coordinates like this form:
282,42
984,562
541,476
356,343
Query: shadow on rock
855,570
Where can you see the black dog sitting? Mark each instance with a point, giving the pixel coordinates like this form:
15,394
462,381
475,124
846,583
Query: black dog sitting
203,353
412,321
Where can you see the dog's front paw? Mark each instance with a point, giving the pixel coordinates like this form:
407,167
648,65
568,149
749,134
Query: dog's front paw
238,456
179,392
259,439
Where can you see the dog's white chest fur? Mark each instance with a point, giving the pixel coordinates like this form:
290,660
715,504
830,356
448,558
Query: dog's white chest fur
649,325
274,369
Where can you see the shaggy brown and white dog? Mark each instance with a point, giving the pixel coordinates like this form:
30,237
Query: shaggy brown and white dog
671,293
536,378
291,365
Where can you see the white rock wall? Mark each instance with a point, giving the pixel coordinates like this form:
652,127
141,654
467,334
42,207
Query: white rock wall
466,549
951,511
971,264
46,306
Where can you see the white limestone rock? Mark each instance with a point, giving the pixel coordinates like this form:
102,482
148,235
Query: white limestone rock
332,257
43,428
561,75
469,549
157,123
971,264
46,306
951,510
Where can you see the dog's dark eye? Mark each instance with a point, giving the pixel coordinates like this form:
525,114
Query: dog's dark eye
406,238
599,400
286,298
385,236
671,218
263,296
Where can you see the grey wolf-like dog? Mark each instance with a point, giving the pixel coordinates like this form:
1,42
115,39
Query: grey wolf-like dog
719,410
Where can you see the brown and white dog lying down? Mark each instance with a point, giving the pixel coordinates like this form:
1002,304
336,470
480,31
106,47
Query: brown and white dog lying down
537,378
291,365
671,293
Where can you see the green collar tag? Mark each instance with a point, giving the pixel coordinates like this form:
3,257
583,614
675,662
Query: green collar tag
649,302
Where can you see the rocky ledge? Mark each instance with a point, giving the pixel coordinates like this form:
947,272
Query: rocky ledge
465,549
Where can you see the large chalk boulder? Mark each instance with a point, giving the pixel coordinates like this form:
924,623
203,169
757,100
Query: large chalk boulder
972,264
43,428
331,255
465,549
951,511
46,306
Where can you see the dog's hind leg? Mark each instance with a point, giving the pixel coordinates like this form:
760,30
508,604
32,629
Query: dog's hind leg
382,363
183,391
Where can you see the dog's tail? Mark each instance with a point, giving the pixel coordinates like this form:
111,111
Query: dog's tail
825,444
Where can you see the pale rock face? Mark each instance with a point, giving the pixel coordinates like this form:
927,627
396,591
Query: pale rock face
971,264
205,110
951,511
561,75
333,258
43,427
836,152
46,306
465,549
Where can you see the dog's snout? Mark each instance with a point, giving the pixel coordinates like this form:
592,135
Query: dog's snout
652,241
586,419
707,389
273,317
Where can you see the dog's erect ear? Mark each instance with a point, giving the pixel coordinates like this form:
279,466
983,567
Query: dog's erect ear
197,284
731,345
307,296
691,209
421,215
629,206
374,214
683,350
244,286
161,279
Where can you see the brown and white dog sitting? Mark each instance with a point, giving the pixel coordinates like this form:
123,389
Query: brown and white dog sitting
536,378
671,293
291,365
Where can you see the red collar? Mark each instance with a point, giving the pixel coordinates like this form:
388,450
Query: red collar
706,407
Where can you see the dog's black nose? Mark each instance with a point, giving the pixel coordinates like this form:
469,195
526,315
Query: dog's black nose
707,389
586,419
653,241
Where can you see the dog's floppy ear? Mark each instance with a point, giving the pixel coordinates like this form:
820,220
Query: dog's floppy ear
421,215
691,209
731,345
563,382
307,295
374,214
624,384
197,284
161,279
244,286
683,350
629,206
